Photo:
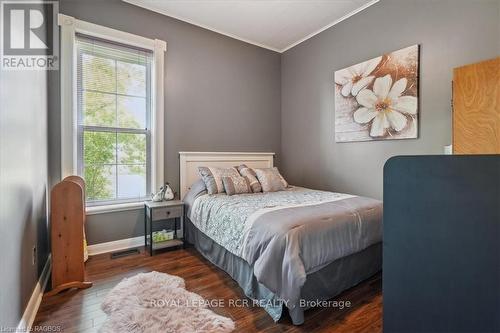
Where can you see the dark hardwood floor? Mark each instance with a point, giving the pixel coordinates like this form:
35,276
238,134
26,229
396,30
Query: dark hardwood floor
79,310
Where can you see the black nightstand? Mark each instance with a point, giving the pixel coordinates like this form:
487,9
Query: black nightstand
169,213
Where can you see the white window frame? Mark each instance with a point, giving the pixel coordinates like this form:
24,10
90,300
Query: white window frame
69,28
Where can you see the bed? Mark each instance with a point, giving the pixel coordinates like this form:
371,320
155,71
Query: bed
287,250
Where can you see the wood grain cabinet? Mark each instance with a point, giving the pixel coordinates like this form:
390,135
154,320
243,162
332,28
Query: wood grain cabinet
67,217
476,108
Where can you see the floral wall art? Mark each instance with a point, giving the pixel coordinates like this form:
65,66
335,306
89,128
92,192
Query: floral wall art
378,99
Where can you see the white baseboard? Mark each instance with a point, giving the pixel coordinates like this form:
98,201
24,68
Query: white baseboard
35,299
121,244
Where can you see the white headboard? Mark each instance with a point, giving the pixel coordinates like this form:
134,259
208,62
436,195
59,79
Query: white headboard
190,161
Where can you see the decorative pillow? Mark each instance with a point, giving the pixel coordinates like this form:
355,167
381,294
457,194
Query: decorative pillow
236,185
213,177
251,177
271,180
195,190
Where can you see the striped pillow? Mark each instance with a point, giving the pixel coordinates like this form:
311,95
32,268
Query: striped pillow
251,177
212,177
236,185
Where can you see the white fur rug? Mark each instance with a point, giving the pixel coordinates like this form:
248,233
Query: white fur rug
158,302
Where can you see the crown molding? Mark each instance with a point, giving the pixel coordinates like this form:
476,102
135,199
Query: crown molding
357,10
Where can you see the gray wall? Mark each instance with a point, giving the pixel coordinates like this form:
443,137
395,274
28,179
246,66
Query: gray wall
451,33
220,95
23,188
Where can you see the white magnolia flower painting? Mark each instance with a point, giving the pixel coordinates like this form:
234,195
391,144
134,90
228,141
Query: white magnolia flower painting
378,99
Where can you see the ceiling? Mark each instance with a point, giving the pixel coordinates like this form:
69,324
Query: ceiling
273,24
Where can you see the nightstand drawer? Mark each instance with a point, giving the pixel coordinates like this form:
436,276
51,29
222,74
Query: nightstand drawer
167,213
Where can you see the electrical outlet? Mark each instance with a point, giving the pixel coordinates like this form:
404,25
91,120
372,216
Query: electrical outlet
33,256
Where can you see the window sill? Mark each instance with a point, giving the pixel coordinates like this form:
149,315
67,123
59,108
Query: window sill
114,208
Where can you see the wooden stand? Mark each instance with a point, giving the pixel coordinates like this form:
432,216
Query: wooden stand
67,221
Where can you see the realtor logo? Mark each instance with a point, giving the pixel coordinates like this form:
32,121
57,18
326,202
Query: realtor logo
29,35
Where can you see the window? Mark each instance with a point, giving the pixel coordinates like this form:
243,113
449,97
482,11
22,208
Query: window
111,113
114,122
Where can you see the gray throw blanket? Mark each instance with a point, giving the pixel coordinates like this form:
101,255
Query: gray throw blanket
287,244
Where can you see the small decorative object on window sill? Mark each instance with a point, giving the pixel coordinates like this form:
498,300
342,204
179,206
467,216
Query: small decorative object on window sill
165,193
158,196
169,194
